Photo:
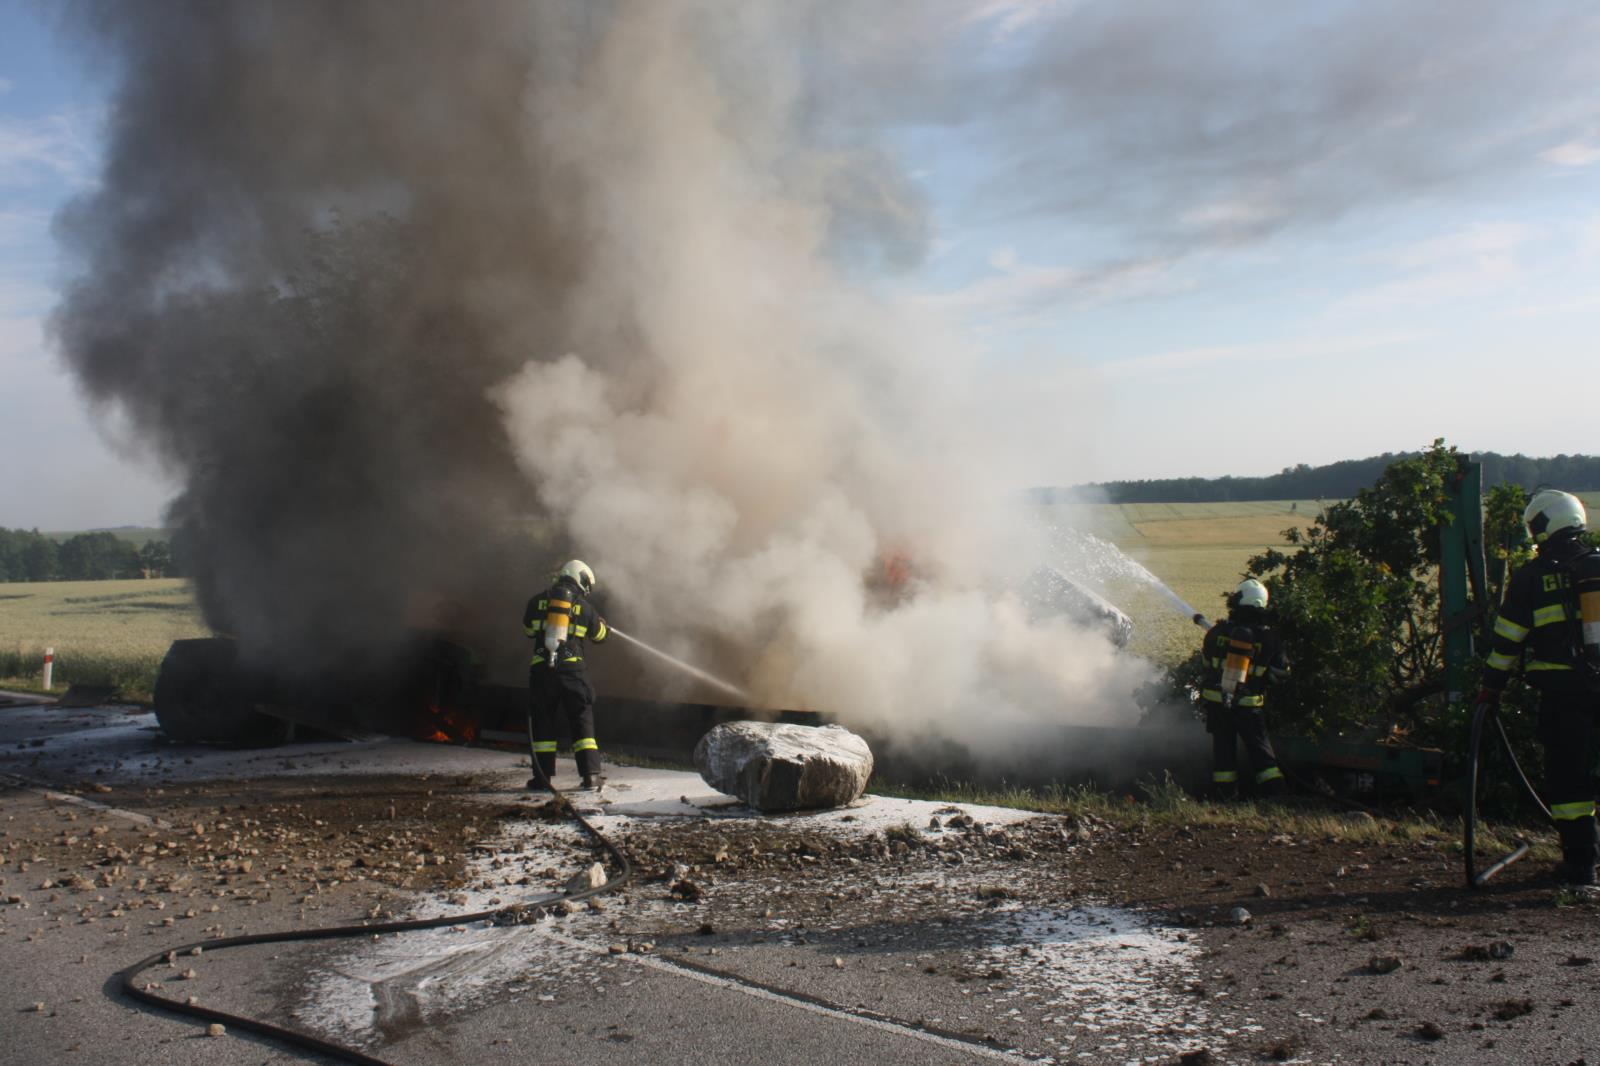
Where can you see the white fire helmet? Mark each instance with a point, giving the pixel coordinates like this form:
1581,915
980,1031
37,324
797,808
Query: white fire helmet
1550,511
579,571
1251,593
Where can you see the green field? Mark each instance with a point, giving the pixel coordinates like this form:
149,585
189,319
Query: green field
104,632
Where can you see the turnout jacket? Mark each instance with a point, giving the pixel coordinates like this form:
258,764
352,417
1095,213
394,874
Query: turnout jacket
584,622
1538,624
1267,660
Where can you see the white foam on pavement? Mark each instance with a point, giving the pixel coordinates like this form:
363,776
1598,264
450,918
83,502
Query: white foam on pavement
1101,977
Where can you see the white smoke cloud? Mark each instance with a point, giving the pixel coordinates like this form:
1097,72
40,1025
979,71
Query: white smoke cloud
773,432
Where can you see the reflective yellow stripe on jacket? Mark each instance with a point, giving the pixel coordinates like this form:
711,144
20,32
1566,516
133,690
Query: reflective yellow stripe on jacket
1214,696
1505,627
1501,661
1547,616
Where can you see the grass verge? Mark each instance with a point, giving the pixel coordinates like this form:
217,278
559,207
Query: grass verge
133,673
1164,803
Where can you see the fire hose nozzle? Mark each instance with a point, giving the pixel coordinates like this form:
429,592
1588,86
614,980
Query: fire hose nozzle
1201,620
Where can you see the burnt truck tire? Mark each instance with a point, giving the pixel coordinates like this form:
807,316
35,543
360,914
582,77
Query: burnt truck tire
201,696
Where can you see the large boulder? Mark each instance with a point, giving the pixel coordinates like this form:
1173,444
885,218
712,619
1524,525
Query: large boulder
779,767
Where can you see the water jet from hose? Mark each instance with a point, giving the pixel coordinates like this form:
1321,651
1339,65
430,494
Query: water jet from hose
692,671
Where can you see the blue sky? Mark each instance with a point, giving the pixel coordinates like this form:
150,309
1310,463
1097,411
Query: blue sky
69,467
1254,237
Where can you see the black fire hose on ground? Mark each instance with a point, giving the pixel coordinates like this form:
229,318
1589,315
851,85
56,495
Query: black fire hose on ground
296,1038
1482,715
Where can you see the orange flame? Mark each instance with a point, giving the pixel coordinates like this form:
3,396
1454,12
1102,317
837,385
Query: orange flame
449,727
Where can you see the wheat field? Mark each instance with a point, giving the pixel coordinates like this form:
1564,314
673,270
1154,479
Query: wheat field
103,632
115,632
1198,550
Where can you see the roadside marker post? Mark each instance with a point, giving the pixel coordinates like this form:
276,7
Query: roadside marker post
49,666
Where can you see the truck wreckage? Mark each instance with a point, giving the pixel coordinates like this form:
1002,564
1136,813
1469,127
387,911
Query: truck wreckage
433,689
209,690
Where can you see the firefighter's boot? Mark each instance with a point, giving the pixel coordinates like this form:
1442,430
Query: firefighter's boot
1577,850
544,772
1270,784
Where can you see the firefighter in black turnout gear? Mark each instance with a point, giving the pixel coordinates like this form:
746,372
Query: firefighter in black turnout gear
1549,625
1242,657
561,619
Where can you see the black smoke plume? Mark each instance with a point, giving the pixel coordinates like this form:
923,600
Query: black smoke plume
324,232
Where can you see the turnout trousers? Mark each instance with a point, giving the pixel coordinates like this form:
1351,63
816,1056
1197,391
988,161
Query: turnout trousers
1230,725
556,693
1567,730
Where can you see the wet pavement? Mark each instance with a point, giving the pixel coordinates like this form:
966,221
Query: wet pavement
895,931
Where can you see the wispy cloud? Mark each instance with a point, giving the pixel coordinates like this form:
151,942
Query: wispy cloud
5,86
1589,237
1572,154
1179,125
57,147
1474,259
1020,290
1479,242
22,226
1006,17
21,340
1186,361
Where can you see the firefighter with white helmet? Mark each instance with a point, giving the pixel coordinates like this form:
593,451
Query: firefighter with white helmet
1549,627
1243,656
562,620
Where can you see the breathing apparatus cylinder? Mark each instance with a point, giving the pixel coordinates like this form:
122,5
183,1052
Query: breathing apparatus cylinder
1236,666
556,620
1586,585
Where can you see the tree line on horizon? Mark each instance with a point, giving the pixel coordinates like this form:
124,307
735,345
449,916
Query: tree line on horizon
1335,481
29,555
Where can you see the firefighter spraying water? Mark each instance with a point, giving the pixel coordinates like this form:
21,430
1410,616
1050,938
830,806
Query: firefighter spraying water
562,619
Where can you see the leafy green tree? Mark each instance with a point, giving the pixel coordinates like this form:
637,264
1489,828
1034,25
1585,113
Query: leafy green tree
1355,596
1356,599
155,558
98,557
10,557
39,557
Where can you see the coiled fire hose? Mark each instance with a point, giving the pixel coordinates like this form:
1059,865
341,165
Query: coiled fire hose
1482,715
132,988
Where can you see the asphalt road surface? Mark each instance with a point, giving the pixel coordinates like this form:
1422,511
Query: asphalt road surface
896,931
